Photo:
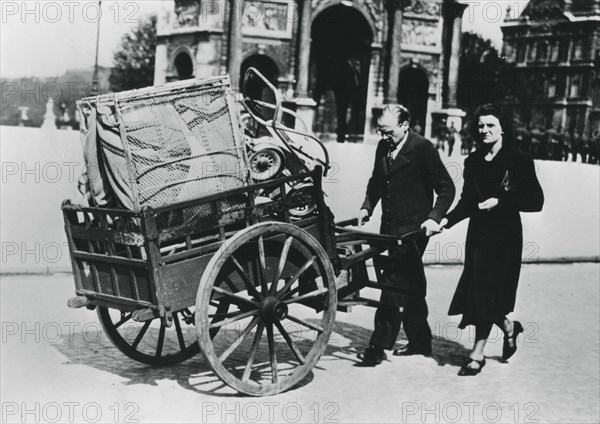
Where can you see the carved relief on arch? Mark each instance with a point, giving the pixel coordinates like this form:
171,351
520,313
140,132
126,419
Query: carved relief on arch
377,11
420,33
187,13
424,9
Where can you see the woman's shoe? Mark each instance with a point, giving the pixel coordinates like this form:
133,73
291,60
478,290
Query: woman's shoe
509,350
467,369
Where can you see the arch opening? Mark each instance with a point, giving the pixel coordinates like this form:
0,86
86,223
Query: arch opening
340,57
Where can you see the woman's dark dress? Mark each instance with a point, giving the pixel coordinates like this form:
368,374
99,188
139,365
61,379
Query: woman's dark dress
488,286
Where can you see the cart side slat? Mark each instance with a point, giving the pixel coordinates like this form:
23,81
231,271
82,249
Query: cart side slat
153,252
99,257
191,252
95,234
68,207
70,219
113,301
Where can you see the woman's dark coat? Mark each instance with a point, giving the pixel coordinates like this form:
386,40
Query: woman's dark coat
487,288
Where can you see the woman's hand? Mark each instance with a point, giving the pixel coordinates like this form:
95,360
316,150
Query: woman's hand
431,227
488,204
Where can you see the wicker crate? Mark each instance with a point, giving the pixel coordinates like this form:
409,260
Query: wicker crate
163,145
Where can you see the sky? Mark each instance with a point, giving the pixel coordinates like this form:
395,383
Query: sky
46,38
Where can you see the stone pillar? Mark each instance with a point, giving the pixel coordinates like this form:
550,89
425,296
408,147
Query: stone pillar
455,12
372,100
304,50
431,106
49,117
396,11
161,63
234,58
305,108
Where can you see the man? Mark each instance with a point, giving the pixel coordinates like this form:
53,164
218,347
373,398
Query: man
451,138
407,171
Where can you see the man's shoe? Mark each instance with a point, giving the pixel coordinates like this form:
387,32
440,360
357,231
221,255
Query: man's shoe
373,355
410,350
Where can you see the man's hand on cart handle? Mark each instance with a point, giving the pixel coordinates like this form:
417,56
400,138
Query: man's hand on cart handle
431,227
363,217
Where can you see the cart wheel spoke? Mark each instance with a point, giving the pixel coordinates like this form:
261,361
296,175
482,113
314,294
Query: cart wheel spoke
249,285
290,343
292,292
179,332
123,320
234,298
272,353
262,262
230,284
239,340
161,341
249,258
253,349
140,335
218,316
282,261
297,275
237,317
312,294
306,324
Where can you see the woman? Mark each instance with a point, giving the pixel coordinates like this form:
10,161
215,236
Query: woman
499,182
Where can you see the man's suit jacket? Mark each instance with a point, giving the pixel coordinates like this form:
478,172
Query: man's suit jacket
406,190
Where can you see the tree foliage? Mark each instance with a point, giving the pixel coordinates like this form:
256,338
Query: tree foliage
134,60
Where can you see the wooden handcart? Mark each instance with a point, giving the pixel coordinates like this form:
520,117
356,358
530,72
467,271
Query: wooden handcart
251,272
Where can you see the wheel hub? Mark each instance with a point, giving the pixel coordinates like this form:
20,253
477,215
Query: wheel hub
272,309
263,163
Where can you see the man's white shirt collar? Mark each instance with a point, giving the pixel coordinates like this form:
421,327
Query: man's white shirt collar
400,145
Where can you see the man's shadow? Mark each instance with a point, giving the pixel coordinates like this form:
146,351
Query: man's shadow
444,351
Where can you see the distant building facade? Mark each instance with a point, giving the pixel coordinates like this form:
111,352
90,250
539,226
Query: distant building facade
340,59
554,46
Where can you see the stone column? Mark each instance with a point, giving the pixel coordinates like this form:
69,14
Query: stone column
396,10
372,100
455,12
304,50
234,59
49,117
161,63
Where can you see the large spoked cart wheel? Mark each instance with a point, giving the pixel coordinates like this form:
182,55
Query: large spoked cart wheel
281,286
152,342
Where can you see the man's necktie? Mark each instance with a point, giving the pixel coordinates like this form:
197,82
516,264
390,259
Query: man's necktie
390,155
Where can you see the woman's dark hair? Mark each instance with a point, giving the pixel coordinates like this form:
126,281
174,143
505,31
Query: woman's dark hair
493,110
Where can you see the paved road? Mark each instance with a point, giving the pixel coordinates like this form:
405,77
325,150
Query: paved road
58,367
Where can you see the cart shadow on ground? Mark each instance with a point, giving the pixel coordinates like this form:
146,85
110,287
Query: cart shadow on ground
195,374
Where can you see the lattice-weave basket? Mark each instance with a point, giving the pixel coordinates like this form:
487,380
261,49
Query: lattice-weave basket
167,144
